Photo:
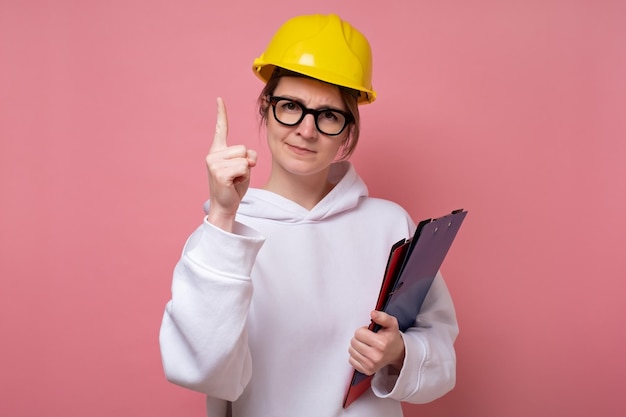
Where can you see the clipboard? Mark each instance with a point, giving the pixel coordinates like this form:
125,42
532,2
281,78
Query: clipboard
411,268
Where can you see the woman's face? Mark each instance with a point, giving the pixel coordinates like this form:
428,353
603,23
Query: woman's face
302,149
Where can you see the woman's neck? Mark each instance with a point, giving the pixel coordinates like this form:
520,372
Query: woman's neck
306,191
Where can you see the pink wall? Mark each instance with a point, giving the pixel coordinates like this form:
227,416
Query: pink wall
514,110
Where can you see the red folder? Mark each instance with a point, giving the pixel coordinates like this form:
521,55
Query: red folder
411,268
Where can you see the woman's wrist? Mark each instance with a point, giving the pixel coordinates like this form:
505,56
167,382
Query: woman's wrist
222,220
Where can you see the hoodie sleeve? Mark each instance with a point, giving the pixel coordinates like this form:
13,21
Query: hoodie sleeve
203,336
429,369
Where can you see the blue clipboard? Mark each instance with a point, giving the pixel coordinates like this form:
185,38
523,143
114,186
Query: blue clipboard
411,268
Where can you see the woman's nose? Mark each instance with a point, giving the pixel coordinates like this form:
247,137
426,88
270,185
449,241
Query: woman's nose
307,128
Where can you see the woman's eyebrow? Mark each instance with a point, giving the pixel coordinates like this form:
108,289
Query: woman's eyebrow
299,101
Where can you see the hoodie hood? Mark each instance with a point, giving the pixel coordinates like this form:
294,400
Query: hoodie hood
346,195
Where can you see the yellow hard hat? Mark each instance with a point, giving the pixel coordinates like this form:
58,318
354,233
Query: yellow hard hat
323,47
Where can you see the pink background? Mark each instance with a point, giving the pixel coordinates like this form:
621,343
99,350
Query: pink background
514,110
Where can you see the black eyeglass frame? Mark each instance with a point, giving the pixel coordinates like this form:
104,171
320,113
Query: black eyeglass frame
273,100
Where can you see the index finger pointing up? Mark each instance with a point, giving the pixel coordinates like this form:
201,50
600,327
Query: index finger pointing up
221,127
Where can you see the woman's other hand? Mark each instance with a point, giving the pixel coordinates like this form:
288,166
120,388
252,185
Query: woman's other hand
370,352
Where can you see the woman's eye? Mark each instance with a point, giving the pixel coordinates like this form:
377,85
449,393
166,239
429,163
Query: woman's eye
329,115
290,106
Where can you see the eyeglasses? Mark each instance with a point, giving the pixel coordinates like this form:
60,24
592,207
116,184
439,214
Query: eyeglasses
330,122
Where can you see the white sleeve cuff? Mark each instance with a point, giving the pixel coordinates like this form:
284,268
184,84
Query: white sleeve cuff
231,253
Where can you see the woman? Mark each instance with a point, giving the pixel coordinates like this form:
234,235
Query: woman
272,295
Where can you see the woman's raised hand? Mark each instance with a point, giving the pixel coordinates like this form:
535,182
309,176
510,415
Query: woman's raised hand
229,173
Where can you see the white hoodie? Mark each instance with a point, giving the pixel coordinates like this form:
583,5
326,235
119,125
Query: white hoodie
263,316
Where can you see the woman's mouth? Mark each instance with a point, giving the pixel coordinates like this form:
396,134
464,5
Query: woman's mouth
300,151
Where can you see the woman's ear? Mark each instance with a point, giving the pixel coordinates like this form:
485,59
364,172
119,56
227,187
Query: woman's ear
346,141
264,107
